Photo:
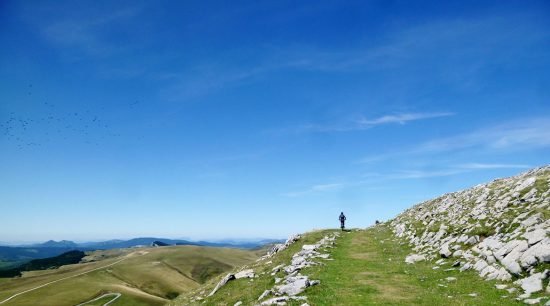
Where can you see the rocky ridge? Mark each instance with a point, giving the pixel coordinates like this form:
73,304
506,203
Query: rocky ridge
294,282
500,229
286,288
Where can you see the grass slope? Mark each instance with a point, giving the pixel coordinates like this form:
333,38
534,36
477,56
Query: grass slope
368,269
148,276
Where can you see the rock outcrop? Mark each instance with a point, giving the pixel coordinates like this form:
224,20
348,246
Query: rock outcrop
294,283
249,273
500,229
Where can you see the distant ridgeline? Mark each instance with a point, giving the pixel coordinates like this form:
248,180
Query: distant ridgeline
10,256
71,257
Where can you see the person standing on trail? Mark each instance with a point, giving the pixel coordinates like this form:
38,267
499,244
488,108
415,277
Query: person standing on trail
342,220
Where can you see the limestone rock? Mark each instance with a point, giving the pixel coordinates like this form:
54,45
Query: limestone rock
532,301
280,300
535,236
414,258
539,252
532,283
498,229
444,251
222,283
264,294
294,285
249,273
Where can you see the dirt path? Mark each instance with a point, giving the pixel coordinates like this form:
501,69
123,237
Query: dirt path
115,294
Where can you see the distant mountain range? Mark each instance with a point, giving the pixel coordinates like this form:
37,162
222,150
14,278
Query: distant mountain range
51,248
56,244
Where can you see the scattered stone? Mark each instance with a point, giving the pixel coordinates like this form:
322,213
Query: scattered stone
294,285
414,258
532,301
280,300
450,279
472,294
532,283
501,287
264,294
222,283
444,251
239,303
309,247
535,236
249,273
523,296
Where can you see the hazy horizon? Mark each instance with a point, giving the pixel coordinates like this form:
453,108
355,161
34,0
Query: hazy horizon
259,119
205,239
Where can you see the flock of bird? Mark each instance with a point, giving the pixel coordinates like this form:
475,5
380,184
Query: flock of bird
53,124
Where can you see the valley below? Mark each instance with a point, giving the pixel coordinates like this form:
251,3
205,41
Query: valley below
144,276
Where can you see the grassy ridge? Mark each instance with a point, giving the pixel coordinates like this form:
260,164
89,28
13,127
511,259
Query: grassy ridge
148,276
247,290
368,269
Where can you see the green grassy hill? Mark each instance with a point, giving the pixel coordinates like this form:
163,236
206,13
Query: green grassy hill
368,268
145,276
488,245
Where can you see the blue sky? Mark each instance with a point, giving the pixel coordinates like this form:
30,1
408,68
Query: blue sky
259,118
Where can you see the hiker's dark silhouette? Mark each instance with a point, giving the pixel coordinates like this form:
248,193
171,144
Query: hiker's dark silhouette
342,220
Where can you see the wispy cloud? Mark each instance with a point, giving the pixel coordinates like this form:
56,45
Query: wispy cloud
524,134
482,166
86,29
364,123
371,179
315,189
420,174
401,118
452,170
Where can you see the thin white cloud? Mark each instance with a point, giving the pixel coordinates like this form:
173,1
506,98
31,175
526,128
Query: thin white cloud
372,179
420,174
364,123
451,170
482,166
527,133
520,135
315,189
401,118
84,29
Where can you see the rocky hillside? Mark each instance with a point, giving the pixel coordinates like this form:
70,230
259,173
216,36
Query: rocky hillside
499,229
279,275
